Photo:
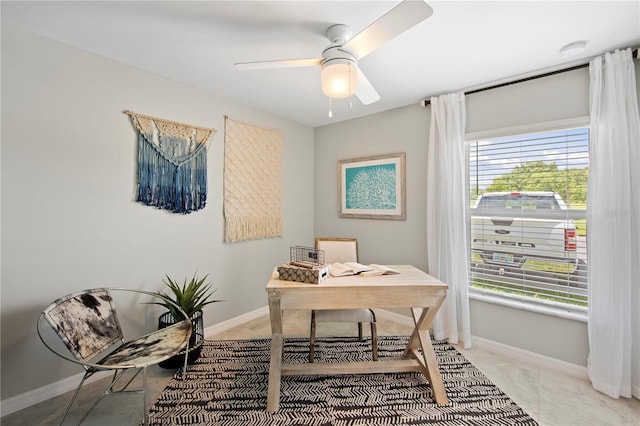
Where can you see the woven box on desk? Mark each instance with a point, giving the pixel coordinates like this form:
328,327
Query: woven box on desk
315,275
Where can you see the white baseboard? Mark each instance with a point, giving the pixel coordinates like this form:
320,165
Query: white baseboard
544,361
27,399
234,322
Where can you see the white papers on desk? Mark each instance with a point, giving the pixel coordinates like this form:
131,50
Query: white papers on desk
355,268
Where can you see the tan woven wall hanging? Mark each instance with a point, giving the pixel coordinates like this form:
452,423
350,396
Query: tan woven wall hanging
252,182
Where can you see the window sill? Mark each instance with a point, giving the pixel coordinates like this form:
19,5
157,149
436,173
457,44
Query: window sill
558,310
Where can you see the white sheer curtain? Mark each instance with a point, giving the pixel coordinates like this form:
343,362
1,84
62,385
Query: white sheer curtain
613,220
447,257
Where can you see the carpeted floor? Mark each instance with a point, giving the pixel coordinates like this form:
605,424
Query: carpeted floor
228,384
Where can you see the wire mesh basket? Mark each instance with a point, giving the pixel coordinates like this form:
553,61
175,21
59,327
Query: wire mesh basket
306,257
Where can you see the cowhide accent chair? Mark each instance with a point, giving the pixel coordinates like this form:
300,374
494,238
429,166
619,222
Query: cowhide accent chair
88,325
338,250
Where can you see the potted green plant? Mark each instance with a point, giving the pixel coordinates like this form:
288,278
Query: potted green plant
191,296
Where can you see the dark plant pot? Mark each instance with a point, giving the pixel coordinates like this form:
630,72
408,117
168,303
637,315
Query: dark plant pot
195,342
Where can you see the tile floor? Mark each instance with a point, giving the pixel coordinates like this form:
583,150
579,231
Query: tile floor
549,397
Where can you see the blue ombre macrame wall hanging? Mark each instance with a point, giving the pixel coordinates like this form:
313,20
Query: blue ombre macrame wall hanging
172,164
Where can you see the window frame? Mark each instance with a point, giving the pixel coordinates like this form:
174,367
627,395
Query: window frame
557,309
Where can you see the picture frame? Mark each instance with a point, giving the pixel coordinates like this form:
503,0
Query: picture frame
373,187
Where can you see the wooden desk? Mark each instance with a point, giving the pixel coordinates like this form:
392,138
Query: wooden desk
412,288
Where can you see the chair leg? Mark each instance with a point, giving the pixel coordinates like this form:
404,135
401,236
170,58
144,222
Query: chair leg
75,395
117,375
374,335
374,341
312,336
144,396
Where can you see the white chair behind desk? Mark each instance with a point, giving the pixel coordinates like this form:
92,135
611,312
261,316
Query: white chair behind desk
338,250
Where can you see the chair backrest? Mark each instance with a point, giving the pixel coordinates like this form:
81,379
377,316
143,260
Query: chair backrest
338,249
86,322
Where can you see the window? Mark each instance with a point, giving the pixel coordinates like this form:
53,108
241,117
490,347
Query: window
527,218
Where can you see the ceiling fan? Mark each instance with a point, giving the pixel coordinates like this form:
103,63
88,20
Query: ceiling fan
341,76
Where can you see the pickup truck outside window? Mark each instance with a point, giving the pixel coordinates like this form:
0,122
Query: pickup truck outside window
527,217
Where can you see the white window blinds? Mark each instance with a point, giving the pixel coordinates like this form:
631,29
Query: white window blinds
527,216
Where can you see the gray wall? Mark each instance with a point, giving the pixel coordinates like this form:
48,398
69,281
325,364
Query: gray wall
406,129
69,221
398,130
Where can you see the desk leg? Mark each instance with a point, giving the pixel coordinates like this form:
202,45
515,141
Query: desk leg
421,338
275,366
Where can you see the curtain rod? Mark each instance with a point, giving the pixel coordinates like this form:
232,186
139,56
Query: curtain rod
426,102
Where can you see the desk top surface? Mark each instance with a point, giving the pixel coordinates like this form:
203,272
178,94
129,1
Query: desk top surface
408,276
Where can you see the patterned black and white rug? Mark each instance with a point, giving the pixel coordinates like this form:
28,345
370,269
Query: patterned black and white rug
227,385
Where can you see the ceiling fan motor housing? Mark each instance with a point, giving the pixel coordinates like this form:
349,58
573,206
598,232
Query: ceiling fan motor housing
338,34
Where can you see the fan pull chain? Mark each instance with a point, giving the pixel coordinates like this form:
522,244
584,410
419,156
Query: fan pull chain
330,111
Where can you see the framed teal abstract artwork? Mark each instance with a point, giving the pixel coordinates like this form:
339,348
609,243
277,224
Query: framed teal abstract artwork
373,187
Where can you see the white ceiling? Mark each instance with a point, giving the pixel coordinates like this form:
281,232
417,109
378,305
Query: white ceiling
464,45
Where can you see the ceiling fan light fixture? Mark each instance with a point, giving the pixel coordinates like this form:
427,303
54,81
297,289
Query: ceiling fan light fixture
339,78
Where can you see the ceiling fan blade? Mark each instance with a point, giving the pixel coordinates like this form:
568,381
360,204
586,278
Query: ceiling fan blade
285,63
398,20
365,91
